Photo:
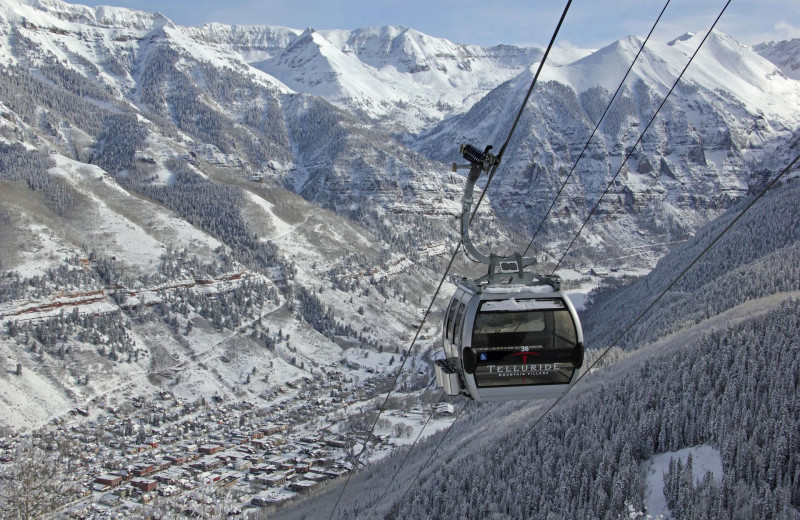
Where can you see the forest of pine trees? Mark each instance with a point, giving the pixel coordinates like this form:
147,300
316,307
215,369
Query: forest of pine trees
109,332
728,275
734,389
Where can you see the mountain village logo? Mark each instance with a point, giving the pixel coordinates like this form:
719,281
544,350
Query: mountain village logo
524,369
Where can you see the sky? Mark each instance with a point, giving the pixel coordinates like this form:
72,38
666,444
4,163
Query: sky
589,23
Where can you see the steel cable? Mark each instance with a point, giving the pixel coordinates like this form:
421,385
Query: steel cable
452,259
597,126
641,135
672,284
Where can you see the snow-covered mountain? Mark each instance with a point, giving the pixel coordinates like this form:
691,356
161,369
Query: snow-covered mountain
142,173
394,74
258,216
784,54
127,137
715,136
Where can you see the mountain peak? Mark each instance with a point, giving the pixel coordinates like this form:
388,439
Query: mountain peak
682,38
56,12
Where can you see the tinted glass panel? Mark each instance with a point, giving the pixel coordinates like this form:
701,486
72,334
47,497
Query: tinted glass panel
564,329
459,324
448,322
527,347
535,329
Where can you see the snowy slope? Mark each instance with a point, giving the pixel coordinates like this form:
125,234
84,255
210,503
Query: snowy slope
167,115
722,64
732,110
784,54
394,73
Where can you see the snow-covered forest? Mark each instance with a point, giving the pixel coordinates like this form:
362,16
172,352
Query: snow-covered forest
220,246
711,378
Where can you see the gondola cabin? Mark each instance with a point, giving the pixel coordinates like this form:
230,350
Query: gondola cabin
511,334
510,341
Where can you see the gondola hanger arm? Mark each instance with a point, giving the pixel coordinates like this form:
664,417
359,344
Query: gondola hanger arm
480,162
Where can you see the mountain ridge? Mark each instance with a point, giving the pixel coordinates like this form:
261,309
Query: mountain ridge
188,233
130,100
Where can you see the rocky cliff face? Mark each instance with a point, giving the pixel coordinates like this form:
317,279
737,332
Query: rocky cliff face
703,151
361,120
141,157
784,54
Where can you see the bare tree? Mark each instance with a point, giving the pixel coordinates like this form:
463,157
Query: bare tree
34,484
